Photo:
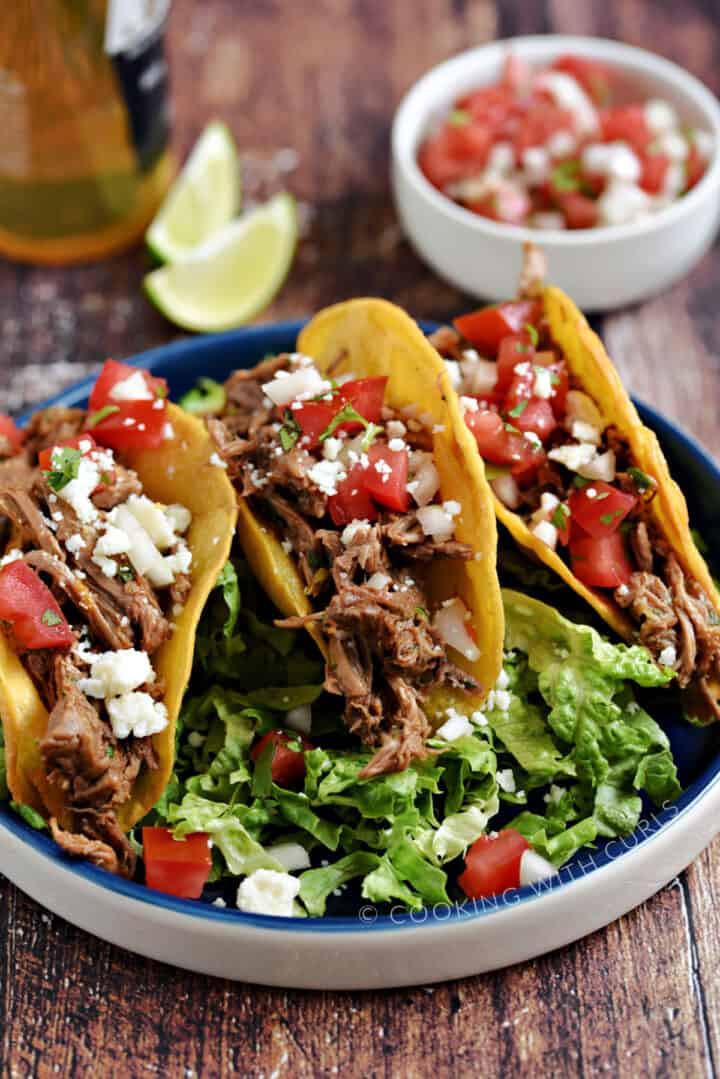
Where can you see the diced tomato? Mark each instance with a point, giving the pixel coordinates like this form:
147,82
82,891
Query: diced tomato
131,424
10,433
654,171
353,501
625,123
486,327
579,211
515,351
600,562
287,765
599,509
32,610
694,167
179,867
493,865
537,415
509,203
501,446
515,73
593,76
364,394
560,380
114,372
490,107
448,156
386,477
540,123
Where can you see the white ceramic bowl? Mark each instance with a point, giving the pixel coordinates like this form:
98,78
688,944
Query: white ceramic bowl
600,268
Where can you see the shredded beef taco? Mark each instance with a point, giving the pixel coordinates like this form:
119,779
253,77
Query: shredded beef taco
365,515
580,482
116,524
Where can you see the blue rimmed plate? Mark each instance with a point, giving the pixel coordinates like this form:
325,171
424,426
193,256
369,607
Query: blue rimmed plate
368,950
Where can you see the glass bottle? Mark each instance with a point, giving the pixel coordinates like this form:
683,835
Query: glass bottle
84,126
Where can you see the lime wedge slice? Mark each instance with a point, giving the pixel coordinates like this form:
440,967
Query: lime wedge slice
204,198
232,277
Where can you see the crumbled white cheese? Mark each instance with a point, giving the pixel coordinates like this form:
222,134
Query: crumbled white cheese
217,461
326,475
479,719
268,892
455,727
542,386
132,388
137,714
395,429
506,780
115,673
599,467
503,680
75,544
572,456
331,448
77,492
468,404
397,445
290,855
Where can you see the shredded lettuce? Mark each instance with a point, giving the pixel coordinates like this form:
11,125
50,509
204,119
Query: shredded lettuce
565,746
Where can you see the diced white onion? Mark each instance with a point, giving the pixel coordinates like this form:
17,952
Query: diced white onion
507,490
305,382
534,868
600,467
436,522
479,376
546,532
378,581
450,621
290,855
424,478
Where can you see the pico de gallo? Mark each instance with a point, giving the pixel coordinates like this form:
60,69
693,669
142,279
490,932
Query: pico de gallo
562,147
553,459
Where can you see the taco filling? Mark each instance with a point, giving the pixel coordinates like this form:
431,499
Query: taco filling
352,489
572,479
94,576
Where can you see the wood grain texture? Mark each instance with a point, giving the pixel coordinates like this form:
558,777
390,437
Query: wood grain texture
641,998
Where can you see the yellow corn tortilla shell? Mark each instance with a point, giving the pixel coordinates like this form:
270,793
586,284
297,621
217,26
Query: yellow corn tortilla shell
178,471
595,373
370,337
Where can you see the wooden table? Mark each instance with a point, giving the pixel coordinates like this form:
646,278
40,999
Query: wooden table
639,998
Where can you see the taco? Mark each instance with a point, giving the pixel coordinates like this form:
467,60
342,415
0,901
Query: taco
580,482
117,523
365,515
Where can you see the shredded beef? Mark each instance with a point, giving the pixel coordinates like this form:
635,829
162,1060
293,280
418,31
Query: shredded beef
29,529
52,426
406,532
125,483
133,600
640,543
296,528
247,408
92,771
447,342
17,472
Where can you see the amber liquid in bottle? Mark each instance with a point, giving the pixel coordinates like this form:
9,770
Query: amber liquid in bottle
84,129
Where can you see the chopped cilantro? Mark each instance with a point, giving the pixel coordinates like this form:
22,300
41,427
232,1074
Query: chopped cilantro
519,408
532,334
560,516
50,618
642,481
520,347
161,388
602,495
554,379
207,398
126,573
512,430
290,431
458,118
566,176
420,612
105,478
102,414
608,518
110,751
580,482
348,413
65,467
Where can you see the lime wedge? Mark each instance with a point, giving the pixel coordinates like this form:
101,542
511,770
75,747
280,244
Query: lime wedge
232,277
204,198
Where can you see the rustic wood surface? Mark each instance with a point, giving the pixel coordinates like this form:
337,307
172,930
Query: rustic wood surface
639,998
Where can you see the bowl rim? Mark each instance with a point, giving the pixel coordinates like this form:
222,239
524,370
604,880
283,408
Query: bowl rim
578,876
408,124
